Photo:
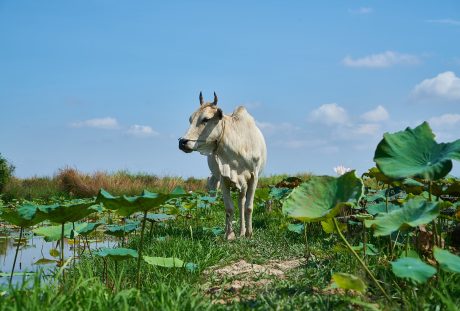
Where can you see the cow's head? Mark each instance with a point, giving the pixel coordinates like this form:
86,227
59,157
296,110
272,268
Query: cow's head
205,130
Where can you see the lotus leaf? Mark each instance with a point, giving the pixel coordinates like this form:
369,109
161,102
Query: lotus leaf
412,268
371,250
88,227
414,213
214,230
70,211
117,253
415,153
297,228
25,216
121,230
329,227
191,267
321,197
53,233
125,205
168,262
159,217
447,260
279,193
348,281
382,208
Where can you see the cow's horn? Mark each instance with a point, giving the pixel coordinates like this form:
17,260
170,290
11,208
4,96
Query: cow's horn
215,99
201,99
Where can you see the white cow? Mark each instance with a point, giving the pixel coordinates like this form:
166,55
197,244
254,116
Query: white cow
236,152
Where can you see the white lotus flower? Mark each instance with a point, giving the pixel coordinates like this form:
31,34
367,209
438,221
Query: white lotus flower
340,170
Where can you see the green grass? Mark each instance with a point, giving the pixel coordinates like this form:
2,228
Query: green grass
303,288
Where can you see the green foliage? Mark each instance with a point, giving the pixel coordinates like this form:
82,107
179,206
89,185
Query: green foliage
69,211
447,261
53,233
415,153
413,269
6,172
167,262
25,216
348,281
117,253
414,213
147,201
121,230
297,228
322,197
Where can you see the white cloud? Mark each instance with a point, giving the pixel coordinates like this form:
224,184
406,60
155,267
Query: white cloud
268,127
366,129
330,114
376,115
362,10
382,60
141,131
445,120
101,123
445,85
447,21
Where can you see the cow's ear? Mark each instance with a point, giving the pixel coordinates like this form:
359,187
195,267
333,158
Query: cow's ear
219,113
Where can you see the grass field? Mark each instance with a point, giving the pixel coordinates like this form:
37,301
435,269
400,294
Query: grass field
280,279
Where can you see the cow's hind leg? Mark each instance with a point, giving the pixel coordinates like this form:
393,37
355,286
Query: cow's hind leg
229,210
252,186
241,207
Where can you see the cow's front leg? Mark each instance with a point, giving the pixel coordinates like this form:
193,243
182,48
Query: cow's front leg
229,210
252,186
241,207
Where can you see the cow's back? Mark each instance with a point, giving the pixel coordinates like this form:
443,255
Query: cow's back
243,152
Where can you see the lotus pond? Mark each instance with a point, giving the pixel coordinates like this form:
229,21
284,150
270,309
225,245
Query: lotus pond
386,240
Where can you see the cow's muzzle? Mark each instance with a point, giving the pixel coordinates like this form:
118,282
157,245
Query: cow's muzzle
183,145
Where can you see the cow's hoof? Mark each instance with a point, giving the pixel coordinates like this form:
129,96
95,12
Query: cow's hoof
230,236
242,233
249,234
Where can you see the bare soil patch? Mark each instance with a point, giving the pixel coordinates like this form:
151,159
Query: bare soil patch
229,281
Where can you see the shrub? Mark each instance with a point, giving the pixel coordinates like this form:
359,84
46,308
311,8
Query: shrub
6,171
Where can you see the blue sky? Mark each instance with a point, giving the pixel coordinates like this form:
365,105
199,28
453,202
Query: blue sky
109,85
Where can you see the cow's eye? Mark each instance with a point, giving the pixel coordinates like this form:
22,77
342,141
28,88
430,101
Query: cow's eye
204,120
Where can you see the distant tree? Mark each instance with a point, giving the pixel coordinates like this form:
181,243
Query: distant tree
6,171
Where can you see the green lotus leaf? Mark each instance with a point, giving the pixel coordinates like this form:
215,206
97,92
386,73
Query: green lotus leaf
279,193
415,153
329,227
371,250
159,217
168,262
382,208
53,233
414,213
126,205
178,191
121,230
70,211
348,281
375,197
297,228
321,197
24,216
214,230
45,261
88,227
374,172
117,253
412,268
447,260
